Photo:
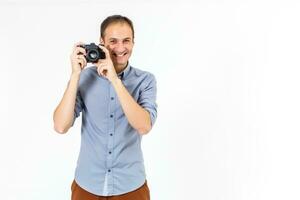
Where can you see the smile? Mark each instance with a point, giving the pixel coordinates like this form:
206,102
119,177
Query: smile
120,55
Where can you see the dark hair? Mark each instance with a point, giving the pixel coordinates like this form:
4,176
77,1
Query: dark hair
115,19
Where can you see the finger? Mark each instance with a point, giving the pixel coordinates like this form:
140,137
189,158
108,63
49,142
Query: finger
83,62
102,70
79,50
80,57
78,44
76,57
99,71
105,51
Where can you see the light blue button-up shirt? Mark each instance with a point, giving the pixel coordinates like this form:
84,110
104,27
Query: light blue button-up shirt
111,161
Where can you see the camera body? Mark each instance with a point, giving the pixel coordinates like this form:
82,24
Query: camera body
93,53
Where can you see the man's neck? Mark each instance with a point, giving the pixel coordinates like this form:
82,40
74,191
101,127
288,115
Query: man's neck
120,68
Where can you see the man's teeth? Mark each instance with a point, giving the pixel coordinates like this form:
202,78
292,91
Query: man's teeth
119,55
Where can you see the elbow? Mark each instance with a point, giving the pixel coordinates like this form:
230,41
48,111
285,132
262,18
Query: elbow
144,130
60,129
146,127
60,126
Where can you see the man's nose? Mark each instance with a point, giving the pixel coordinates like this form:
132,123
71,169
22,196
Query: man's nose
119,47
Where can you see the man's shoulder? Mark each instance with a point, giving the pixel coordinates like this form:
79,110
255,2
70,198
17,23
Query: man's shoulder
139,72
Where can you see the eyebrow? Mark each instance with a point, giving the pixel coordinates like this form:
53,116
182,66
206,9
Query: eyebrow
127,38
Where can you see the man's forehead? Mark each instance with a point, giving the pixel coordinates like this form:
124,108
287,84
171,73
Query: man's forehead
118,31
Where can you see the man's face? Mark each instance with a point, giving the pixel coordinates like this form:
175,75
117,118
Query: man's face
119,42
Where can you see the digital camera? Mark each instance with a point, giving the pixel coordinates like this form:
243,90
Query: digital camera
93,52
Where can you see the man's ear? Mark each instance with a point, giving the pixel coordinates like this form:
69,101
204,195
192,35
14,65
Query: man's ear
101,41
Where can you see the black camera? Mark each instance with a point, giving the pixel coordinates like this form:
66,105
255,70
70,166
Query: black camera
93,52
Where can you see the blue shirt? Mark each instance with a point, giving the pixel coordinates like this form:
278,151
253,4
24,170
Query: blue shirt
110,160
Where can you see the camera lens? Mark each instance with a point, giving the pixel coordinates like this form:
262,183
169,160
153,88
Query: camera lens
93,55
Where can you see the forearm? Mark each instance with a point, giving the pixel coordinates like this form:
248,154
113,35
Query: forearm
64,113
138,117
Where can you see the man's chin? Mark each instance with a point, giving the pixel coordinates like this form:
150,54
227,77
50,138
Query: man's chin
120,64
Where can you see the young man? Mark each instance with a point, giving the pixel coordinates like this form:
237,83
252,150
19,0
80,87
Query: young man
118,106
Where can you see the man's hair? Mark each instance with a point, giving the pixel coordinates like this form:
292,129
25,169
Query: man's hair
115,19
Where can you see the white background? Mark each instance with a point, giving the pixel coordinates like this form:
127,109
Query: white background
228,96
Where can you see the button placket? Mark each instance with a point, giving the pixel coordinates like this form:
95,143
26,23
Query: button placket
111,131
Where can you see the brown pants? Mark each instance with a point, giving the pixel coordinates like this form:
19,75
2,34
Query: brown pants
141,193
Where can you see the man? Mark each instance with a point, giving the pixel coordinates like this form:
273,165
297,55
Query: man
118,106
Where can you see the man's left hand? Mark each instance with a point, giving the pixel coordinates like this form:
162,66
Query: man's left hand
105,66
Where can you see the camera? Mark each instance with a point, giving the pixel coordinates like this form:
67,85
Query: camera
93,52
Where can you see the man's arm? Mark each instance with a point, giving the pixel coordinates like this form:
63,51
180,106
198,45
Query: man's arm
138,117
63,115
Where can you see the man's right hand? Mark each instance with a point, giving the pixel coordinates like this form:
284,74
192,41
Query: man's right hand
78,60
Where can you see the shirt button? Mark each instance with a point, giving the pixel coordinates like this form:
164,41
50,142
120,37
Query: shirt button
111,116
109,170
111,134
109,152
111,98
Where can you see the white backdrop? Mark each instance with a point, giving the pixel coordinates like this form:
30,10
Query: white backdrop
228,96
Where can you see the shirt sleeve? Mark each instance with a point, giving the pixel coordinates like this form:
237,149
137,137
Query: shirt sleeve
78,107
147,98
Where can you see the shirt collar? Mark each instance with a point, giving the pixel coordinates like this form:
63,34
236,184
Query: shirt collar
125,72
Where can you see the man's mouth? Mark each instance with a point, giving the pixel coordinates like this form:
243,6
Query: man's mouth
119,54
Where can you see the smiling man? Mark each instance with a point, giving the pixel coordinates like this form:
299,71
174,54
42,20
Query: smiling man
118,106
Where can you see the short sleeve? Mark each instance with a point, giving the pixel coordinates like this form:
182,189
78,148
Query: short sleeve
78,106
147,98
